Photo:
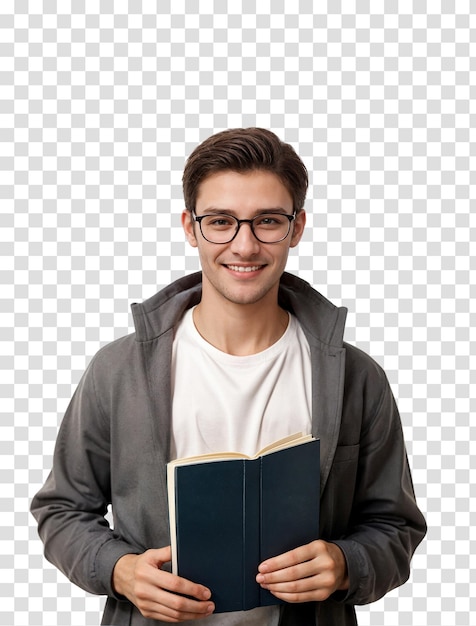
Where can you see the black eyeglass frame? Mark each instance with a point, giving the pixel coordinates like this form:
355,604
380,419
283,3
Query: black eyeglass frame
199,218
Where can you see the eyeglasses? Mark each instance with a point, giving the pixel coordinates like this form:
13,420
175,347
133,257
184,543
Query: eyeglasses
266,227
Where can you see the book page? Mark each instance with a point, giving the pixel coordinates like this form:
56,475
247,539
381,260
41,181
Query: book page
285,442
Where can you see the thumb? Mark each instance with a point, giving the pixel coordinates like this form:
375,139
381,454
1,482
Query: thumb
159,556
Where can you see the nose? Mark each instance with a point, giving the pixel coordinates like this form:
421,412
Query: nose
245,243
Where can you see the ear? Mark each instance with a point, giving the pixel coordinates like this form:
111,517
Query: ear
298,228
189,227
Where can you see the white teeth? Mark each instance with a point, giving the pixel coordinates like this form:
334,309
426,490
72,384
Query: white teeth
247,268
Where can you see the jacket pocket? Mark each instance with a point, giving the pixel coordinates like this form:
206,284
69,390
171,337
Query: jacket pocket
338,496
346,453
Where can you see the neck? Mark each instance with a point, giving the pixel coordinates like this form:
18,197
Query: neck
241,330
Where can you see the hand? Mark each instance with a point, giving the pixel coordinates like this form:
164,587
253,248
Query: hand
154,591
309,573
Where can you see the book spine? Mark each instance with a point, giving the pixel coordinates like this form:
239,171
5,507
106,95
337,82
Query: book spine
269,501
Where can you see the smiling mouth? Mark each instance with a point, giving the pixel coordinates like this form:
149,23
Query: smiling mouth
244,268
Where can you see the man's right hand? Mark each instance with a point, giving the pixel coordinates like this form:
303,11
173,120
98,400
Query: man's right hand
154,591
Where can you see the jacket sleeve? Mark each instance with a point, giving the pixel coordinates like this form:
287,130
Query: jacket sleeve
71,506
385,524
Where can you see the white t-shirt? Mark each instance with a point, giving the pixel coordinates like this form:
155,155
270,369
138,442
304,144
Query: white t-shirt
223,402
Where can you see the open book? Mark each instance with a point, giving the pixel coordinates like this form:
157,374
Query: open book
229,512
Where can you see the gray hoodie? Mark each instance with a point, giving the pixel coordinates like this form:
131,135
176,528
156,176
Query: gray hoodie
113,446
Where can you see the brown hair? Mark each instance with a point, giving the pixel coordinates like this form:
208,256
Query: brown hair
245,150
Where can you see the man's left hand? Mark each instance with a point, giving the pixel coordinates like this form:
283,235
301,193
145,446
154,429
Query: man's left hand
309,573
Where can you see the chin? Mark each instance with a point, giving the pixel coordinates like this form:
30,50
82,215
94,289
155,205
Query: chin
247,296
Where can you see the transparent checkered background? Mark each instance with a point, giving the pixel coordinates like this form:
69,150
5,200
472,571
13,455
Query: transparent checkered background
101,102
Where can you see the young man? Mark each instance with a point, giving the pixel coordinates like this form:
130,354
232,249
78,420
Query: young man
233,357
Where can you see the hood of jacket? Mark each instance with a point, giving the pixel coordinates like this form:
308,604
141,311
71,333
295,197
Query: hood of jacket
320,319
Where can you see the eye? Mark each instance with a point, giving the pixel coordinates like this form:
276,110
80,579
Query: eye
270,220
219,221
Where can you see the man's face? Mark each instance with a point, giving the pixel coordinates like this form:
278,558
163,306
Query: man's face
242,195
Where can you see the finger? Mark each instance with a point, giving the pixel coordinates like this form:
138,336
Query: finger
174,608
287,574
322,580
150,577
158,556
314,595
162,595
181,586
313,588
155,601
164,553
293,557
